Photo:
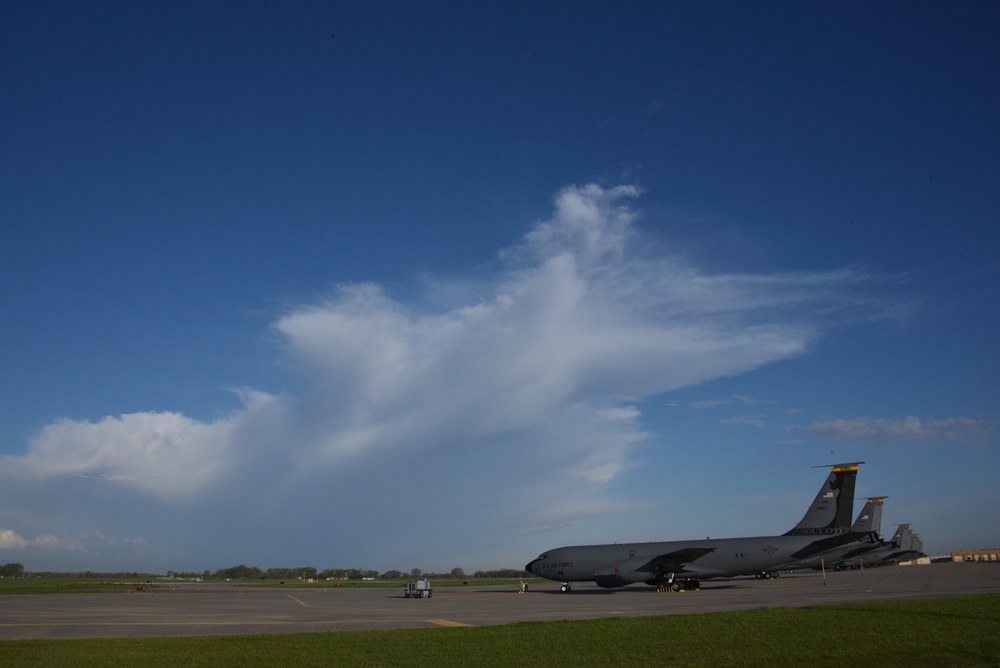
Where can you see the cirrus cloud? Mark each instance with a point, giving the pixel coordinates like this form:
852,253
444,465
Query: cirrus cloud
874,430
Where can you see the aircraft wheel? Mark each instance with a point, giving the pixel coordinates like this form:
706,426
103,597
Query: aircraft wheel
676,586
565,588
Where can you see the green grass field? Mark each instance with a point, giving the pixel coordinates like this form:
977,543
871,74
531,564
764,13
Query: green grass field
927,632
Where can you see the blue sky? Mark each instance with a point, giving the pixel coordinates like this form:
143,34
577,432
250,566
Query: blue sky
449,284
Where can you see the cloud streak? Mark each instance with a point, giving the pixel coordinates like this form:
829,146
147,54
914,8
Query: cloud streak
877,430
11,541
584,318
747,420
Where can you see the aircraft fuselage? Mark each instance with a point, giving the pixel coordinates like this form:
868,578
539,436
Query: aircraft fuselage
627,563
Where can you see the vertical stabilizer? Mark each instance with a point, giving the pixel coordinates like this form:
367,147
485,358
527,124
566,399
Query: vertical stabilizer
870,518
907,543
897,538
833,507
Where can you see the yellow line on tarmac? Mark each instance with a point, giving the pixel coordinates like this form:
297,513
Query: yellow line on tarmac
304,605
445,622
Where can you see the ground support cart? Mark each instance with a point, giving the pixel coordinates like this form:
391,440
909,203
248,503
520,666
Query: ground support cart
419,589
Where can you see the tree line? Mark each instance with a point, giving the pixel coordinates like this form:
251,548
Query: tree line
244,572
11,570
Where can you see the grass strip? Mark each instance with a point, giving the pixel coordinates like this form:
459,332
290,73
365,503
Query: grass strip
961,631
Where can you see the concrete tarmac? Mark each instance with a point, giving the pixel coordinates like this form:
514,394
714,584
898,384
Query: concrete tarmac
198,609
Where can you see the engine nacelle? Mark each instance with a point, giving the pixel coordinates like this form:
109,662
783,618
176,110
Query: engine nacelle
624,572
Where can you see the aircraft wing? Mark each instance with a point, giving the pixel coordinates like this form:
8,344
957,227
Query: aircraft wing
674,562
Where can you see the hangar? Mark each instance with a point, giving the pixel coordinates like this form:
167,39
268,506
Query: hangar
976,555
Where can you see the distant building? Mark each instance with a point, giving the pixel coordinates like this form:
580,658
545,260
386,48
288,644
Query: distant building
976,555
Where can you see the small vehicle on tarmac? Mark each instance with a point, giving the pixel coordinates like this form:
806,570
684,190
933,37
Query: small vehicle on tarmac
418,589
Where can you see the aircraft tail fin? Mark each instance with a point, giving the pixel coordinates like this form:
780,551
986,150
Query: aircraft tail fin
870,518
897,538
831,510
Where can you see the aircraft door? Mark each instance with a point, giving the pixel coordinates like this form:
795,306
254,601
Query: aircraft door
739,562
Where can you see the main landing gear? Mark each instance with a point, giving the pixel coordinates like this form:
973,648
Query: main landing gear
768,575
565,587
679,585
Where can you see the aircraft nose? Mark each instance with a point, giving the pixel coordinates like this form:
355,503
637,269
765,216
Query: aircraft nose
529,566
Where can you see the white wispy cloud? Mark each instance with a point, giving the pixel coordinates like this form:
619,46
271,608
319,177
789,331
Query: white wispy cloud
747,420
874,430
708,403
546,367
749,400
715,403
11,540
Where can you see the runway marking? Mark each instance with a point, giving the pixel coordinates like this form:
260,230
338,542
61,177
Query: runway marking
304,605
445,622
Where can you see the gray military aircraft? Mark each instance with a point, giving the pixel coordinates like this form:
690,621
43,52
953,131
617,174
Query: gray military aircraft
903,546
677,565
865,539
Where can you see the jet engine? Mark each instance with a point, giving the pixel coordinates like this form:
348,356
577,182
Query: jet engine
625,572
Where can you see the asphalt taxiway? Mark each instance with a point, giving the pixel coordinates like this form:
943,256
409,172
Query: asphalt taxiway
197,610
